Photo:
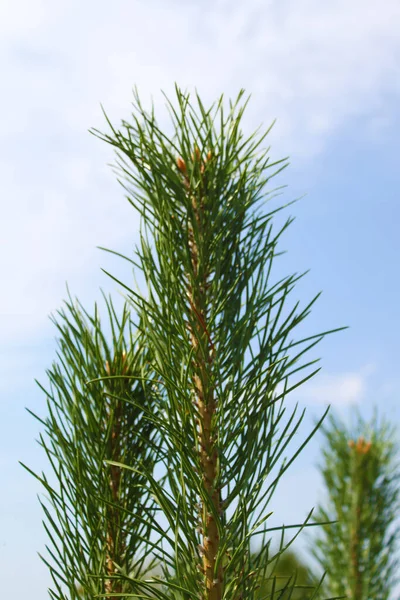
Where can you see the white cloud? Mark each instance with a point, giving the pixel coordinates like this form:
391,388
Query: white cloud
312,65
339,389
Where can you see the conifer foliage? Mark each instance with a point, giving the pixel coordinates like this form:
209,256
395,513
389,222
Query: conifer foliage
94,511
290,567
361,474
169,444
220,334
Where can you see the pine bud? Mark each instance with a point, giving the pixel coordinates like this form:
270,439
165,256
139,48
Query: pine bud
196,154
180,163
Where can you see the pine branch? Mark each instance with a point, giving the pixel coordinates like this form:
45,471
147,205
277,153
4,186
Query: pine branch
93,508
220,335
360,472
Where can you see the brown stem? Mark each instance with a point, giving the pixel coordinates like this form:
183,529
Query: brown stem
115,540
355,557
361,451
203,355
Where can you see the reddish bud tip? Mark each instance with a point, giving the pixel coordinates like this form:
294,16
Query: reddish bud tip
180,163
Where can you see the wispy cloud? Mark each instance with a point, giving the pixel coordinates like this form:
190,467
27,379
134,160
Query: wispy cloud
339,389
347,388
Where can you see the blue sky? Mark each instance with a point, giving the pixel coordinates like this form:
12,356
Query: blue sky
328,72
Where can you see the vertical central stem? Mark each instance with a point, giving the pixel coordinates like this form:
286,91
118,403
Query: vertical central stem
361,451
115,540
203,356
355,556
